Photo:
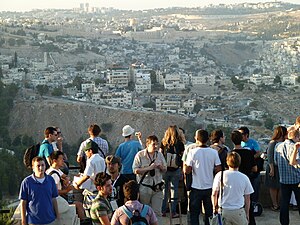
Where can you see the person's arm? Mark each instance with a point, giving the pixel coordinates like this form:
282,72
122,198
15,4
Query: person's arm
293,160
104,220
254,169
270,155
257,150
48,160
55,206
23,212
81,181
59,143
214,200
65,191
247,205
144,169
79,158
218,168
187,169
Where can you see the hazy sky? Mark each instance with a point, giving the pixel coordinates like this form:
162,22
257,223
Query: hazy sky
25,5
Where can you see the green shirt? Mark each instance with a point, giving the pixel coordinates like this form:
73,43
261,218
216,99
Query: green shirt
100,207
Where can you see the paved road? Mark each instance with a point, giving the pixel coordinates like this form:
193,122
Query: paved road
267,218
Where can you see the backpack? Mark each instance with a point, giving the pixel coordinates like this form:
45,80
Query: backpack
135,217
30,153
173,158
65,196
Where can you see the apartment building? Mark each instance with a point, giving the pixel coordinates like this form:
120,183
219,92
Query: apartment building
118,77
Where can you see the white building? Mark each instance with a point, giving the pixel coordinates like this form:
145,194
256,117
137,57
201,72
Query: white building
259,79
189,104
113,98
173,82
88,87
119,77
203,79
168,105
289,79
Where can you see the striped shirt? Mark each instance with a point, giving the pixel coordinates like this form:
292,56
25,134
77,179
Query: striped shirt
288,174
103,145
100,207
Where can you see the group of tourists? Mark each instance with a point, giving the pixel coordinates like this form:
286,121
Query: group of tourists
140,180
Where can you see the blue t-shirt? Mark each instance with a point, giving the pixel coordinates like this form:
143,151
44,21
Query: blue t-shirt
251,144
127,151
45,149
39,207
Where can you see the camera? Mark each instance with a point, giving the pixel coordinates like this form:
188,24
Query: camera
152,173
137,133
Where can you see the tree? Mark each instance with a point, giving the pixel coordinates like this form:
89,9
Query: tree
153,76
79,66
20,41
269,123
150,104
16,60
106,127
277,80
11,42
57,91
77,82
42,89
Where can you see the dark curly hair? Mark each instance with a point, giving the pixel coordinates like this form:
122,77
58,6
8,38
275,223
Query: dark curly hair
101,179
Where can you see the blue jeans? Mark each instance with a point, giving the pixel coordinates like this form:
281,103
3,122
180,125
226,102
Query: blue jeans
197,197
286,192
171,179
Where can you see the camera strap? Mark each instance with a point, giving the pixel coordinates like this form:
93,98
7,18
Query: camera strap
152,161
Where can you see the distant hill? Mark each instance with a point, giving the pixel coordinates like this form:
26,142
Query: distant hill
73,118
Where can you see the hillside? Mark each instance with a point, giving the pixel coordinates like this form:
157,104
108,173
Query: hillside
73,118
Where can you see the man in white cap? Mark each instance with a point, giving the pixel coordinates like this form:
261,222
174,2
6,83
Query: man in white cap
127,151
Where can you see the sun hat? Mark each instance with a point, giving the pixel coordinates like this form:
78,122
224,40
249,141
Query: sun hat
127,130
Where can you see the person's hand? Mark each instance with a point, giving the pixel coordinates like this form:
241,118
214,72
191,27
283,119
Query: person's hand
76,186
297,145
215,210
138,135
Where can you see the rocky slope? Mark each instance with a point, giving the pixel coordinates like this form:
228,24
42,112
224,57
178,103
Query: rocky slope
73,118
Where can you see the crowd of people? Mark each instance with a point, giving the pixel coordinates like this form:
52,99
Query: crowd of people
140,180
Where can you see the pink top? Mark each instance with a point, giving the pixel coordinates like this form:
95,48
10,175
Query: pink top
120,218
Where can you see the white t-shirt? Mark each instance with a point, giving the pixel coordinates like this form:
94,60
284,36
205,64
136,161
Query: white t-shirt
236,185
55,176
203,162
94,165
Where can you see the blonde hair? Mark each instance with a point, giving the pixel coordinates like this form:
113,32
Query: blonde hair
171,136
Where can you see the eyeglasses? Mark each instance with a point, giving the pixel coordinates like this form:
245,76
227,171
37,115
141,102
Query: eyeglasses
55,134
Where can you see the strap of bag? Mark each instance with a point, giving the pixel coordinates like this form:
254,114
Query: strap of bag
100,149
55,172
221,191
144,175
144,211
126,211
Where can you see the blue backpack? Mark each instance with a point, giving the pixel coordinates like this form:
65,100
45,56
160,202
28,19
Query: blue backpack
135,217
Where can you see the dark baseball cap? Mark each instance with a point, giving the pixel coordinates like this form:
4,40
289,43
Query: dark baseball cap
91,145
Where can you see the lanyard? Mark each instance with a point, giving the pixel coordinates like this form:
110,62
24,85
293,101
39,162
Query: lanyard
116,180
154,157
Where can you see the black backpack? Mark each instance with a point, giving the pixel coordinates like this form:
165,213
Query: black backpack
135,217
30,153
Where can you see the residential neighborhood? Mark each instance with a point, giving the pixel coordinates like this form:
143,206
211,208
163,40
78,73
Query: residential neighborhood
163,60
